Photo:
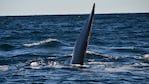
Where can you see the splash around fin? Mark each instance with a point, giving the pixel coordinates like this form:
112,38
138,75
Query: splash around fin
82,41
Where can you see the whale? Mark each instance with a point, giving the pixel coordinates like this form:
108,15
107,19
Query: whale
79,51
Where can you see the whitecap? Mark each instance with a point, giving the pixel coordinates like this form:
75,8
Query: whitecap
40,42
4,68
35,65
125,48
125,68
92,53
146,56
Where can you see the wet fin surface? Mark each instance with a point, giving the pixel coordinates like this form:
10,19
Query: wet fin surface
83,40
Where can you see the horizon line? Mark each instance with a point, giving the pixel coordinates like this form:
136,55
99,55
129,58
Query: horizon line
63,14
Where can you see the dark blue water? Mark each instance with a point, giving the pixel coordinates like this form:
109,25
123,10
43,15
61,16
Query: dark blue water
37,49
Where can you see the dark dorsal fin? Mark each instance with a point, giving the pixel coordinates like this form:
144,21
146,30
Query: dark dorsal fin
82,41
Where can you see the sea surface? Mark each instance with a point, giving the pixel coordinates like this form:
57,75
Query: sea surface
38,49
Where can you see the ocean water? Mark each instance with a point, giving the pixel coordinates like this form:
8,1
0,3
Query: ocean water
38,49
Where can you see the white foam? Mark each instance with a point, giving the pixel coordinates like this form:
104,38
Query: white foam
40,42
54,64
119,69
130,47
80,66
35,65
4,68
140,64
146,56
91,52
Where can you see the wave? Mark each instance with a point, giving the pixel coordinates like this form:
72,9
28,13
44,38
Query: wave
41,42
32,61
91,57
109,58
122,48
130,49
91,53
6,47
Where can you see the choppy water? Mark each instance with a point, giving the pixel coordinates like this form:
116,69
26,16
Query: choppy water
37,49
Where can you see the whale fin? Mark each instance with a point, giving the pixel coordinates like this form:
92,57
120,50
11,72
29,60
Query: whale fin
83,40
